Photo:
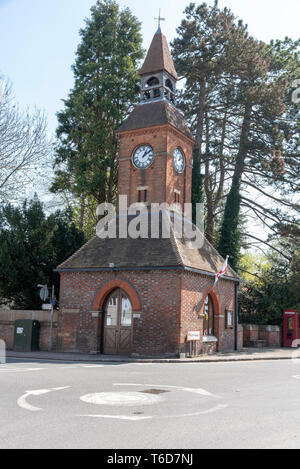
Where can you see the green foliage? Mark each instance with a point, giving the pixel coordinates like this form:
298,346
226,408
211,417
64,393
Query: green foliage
230,239
237,100
197,187
32,244
105,88
276,284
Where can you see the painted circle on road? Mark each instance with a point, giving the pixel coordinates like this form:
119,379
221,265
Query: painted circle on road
121,398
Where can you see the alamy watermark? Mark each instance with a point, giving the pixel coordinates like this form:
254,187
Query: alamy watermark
153,221
2,352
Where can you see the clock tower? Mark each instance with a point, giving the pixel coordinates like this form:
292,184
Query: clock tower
149,295
155,158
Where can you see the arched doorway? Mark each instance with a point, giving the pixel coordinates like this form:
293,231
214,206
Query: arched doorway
117,327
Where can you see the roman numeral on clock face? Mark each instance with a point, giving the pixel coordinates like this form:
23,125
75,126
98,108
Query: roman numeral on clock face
143,156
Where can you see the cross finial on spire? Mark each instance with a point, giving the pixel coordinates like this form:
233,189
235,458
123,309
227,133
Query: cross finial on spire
159,19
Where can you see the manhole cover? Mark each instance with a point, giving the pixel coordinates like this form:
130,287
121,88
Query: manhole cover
154,391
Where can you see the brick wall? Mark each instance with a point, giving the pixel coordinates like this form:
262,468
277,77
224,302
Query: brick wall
161,177
7,326
193,288
240,337
271,334
170,306
157,330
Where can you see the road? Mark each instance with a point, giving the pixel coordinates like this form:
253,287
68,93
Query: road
143,405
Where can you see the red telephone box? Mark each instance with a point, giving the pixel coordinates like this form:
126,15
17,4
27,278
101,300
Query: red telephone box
290,327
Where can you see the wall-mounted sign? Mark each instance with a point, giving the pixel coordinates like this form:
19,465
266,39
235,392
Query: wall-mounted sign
229,319
193,335
46,307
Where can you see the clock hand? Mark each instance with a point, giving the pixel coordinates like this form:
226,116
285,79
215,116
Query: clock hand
145,155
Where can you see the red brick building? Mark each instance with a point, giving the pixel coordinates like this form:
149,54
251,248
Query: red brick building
142,296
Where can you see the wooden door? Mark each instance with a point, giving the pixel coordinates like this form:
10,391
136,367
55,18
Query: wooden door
118,325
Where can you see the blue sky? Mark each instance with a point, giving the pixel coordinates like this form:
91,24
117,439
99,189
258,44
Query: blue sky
38,38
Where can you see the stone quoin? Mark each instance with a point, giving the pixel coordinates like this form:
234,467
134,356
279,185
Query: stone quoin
142,296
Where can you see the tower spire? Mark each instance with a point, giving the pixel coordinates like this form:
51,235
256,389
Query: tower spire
159,19
158,74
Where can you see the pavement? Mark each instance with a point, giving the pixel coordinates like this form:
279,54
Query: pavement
247,354
144,405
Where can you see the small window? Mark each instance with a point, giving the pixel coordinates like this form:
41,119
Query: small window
153,81
177,198
142,195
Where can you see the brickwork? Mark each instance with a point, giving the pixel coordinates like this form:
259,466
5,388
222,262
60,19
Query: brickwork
160,178
170,303
240,337
270,334
250,334
195,288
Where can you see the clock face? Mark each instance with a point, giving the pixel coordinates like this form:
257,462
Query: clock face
179,161
143,157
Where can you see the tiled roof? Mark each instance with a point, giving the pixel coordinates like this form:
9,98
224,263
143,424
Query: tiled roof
159,57
145,253
155,113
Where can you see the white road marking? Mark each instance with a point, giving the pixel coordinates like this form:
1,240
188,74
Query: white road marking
92,366
134,398
67,367
118,417
150,417
22,401
208,411
122,398
19,370
201,391
144,364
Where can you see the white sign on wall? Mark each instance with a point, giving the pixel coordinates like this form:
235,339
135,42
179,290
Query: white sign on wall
193,335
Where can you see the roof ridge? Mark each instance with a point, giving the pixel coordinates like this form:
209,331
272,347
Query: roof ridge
174,245
218,254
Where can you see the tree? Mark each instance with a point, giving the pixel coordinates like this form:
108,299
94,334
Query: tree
105,88
237,100
32,244
261,98
24,147
199,57
273,284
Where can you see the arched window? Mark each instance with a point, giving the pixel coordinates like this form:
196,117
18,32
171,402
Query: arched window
118,309
169,84
153,81
208,321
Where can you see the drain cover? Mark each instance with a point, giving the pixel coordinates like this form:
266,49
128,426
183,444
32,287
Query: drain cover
154,391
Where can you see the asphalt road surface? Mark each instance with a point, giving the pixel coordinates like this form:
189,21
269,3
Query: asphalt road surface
126,406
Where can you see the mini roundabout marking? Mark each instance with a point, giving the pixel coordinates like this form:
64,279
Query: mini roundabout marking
151,394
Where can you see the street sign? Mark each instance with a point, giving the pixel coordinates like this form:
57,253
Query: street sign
193,335
47,307
52,301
